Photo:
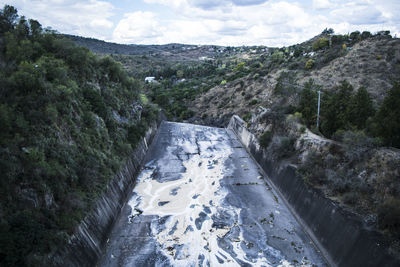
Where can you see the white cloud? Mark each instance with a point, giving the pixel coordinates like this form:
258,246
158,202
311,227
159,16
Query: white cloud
138,27
101,23
358,14
88,18
322,4
266,23
223,22
174,3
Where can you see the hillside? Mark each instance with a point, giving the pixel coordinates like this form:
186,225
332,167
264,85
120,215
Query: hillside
178,51
69,120
373,63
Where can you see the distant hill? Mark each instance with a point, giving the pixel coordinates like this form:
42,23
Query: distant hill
173,51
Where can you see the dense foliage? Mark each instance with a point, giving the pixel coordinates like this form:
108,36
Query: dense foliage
68,122
178,85
309,102
344,110
387,120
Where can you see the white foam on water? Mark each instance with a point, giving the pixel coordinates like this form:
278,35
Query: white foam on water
197,188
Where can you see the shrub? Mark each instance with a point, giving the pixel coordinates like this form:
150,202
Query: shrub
186,114
309,64
286,147
389,216
312,169
143,99
265,139
277,56
337,39
350,198
286,84
320,43
247,117
239,66
253,102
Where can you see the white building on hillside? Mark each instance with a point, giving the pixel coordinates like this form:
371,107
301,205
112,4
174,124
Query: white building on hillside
150,79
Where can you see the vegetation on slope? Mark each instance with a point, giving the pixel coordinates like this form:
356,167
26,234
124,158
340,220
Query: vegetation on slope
354,168
69,120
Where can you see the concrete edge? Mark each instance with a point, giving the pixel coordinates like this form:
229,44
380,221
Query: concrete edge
306,229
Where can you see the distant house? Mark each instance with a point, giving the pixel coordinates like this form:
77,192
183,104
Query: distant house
205,58
150,79
309,54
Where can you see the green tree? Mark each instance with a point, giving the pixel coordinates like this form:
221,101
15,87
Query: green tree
365,35
355,36
8,17
335,108
320,43
387,119
308,102
360,108
309,63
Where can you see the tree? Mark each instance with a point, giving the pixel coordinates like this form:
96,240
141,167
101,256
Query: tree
360,108
320,43
308,102
335,109
365,35
328,31
309,64
8,17
388,118
355,36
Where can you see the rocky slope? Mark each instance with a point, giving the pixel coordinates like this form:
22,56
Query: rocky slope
373,63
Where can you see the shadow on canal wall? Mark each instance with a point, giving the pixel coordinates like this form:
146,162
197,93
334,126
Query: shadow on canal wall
340,235
86,245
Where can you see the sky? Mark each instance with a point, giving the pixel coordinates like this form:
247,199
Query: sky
273,23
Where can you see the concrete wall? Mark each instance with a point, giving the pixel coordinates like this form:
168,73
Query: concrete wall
86,245
341,236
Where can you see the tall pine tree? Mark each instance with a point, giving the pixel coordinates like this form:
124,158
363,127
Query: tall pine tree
335,109
308,102
360,108
387,120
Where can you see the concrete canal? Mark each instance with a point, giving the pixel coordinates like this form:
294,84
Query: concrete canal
201,200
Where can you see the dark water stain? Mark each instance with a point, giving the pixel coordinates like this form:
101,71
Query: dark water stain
199,221
162,203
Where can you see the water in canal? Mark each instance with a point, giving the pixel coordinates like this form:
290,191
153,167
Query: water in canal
200,200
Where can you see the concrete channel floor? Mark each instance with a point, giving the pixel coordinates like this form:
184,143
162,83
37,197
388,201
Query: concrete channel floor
201,200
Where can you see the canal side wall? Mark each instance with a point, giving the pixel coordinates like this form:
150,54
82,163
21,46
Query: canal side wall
341,236
86,245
